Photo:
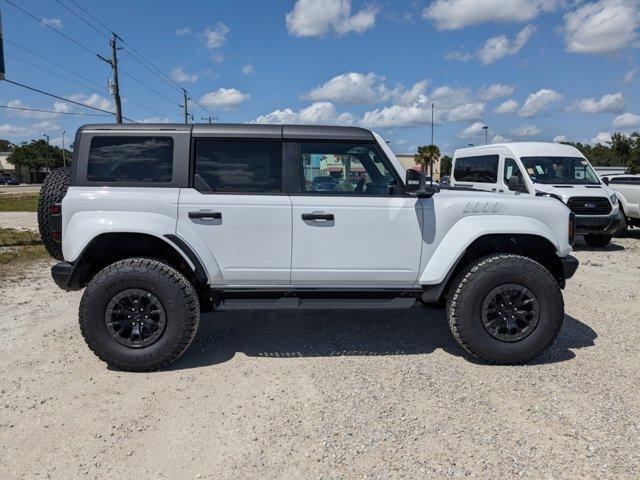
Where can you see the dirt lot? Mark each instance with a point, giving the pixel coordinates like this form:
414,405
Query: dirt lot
326,394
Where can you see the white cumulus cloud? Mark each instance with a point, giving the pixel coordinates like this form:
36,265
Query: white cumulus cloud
602,138
497,90
179,75
605,26
560,139
611,103
526,131
539,101
53,22
499,47
183,31
318,113
472,130
314,18
627,120
13,130
226,98
466,112
507,107
93,100
216,36
455,14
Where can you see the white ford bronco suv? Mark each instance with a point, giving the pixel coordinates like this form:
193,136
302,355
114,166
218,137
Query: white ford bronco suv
160,222
543,169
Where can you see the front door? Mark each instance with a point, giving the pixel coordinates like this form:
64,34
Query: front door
237,212
351,224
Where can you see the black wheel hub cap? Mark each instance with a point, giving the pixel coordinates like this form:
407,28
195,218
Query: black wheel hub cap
510,312
135,318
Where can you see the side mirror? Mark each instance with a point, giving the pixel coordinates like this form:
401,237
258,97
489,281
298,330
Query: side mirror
416,184
516,184
605,180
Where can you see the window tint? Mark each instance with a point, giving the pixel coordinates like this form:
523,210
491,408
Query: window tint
346,169
238,166
627,180
130,159
480,169
560,170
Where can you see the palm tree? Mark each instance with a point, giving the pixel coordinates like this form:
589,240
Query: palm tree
426,156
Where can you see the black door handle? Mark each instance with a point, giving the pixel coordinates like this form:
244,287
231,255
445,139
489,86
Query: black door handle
317,216
206,215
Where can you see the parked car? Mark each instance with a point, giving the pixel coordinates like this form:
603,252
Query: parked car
627,188
160,222
8,179
547,170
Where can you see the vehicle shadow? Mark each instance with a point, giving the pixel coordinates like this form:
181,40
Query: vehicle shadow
581,246
294,334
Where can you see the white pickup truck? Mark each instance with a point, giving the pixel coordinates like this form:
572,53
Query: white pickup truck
161,222
547,170
627,188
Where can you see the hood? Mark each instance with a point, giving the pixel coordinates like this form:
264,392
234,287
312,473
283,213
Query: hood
567,191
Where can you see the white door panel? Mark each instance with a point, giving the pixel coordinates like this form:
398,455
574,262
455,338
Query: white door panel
251,241
369,241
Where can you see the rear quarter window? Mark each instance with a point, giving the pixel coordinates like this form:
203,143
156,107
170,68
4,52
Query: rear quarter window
127,159
478,169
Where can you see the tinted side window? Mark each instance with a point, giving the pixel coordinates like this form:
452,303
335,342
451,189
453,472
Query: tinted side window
627,180
480,169
346,169
243,166
130,159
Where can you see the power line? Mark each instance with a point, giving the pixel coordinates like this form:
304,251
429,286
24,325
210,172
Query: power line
89,14
83,19
91,88
62,98
53,63
57,113
84,47
84,85
147,86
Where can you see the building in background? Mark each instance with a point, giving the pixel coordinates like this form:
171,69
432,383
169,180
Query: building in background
408,162
22,174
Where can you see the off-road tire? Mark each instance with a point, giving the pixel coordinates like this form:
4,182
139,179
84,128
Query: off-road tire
597,240
471,287
53,191
176,294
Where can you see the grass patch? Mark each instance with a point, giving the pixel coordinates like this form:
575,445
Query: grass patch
18,248
21,254
19,202
10,237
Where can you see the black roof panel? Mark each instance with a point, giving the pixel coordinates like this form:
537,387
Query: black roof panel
246,130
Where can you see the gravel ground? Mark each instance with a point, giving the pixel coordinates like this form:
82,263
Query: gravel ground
382,394
19,220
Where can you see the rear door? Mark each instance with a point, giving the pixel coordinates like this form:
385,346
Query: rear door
236,212
362,232
478,171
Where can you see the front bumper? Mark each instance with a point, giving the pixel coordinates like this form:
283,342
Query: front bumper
602,224
63,275
569,266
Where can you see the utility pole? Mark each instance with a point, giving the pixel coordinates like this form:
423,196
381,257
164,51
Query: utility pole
433,106
1,51
64,157
210,118
114,84
185,105
46,159
486,134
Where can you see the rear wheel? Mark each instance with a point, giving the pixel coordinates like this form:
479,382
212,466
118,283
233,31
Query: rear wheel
505,309
139,314
597,240
52,191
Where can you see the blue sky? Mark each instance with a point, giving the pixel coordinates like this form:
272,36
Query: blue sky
529,69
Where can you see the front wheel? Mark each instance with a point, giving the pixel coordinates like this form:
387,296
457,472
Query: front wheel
139,314
505,309
597,240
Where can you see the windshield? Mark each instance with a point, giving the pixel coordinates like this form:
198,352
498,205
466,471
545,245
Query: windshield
560,170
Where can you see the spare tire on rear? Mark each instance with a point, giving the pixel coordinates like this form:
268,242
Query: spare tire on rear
53,190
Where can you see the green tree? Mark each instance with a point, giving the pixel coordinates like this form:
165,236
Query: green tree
6,146
427,154
445,165
37,154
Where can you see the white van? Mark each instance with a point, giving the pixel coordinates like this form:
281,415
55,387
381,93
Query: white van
543,169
